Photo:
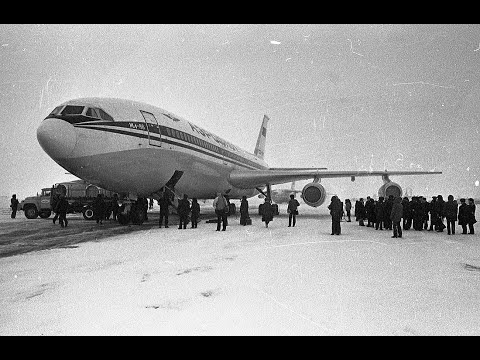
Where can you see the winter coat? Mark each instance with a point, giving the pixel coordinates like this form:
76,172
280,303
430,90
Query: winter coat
220,203
244,208
359,211
451,210
387,210
348,206
462,214
379,211
99,206
440,206
396,214
407,212
195,209
62,206
370,209
164,203
336,210
293,204
183,207
471,214
14,204
267,212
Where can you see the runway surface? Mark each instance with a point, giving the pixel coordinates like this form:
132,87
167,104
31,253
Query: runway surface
89,279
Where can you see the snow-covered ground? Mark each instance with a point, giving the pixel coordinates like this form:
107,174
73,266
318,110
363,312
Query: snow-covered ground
248,280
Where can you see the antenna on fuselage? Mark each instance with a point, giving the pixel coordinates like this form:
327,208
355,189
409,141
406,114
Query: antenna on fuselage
261,140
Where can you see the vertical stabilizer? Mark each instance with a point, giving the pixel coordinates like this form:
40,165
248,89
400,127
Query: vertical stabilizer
262,136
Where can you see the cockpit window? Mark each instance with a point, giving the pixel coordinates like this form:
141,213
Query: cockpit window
56,110
76,114
72,110
93,113
104,115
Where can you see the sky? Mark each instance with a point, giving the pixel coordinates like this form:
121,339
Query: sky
341,96
247,281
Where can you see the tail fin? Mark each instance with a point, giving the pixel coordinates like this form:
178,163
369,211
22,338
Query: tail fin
262,136
293,186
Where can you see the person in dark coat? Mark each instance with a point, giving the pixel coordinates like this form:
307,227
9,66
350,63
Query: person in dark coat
61,209
387,211
439,209
370,211
379,213
451,214
183,209
195,210
220,205
267,211
115,207
292,210
407,214
471,215
14,206
99,208
336,210
360,212
348,209
433,214
164,203
396,216
462,215
244,216
417,213
424,206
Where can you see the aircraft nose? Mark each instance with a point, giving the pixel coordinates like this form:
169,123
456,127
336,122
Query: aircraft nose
57,138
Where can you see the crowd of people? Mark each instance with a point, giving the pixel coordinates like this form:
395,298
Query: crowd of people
397,214
394,213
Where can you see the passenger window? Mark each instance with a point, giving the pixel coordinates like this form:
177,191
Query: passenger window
72,110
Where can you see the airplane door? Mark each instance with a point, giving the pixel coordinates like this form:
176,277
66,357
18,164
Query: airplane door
154,133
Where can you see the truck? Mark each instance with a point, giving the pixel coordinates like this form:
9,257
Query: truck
79,194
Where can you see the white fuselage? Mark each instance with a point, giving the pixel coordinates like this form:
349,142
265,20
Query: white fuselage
140,151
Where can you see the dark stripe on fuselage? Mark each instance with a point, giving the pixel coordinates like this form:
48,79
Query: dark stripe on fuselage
170,136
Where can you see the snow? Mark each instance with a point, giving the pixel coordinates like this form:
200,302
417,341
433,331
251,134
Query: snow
248,280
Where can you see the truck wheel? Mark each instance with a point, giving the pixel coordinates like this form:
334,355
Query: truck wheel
88,213
31,212
45,214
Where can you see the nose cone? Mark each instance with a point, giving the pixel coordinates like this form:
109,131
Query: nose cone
57,138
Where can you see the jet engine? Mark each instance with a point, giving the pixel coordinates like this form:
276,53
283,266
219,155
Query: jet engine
313,194
390,188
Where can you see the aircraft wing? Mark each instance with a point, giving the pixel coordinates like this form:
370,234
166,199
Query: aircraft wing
247,179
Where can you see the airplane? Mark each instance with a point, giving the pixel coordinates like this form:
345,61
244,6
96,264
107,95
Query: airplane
142,150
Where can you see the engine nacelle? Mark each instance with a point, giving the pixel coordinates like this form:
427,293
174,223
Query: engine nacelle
390,188
314,194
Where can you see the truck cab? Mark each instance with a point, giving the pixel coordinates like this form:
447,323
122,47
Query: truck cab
34,206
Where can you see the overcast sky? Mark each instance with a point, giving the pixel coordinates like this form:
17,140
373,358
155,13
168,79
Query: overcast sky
345,97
